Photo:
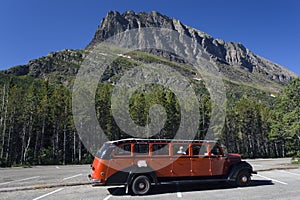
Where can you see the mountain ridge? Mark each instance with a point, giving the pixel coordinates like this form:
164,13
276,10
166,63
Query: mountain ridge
225,53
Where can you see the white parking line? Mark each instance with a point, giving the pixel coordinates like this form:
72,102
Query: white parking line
55,191
290,173
256,165
108,197
72,177
179,194
271,179
25,179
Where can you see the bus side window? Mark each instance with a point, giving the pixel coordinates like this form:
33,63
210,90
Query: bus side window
203,150
199,149
124,150
141,149
216,150
160,149
196,150
180,149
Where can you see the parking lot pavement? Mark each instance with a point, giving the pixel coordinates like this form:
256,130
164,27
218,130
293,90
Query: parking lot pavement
281,182
277,184
42,176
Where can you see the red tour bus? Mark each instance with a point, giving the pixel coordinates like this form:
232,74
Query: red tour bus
140,163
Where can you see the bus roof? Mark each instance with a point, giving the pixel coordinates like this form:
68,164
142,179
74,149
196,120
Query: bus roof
141,140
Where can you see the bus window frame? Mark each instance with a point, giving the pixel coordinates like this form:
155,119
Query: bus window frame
134,154
201,145
105,152
216,155
173,151
160,155
114,155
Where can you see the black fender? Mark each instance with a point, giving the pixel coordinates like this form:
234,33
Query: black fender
236,168
136,171
119,178
127,175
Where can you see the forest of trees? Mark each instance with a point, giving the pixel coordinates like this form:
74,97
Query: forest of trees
36,124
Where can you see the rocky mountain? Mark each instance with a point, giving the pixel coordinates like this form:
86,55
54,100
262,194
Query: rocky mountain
253,69
56,67
235,61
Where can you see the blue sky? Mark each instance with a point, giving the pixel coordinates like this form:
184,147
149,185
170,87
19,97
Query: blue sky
32,28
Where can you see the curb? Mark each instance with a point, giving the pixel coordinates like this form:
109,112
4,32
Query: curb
276,168
36,187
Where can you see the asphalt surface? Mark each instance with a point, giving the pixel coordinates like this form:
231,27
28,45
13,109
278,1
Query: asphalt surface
276,179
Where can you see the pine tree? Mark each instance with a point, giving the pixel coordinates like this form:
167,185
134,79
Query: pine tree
286,125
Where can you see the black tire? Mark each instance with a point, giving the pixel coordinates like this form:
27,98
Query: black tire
243,178
141,185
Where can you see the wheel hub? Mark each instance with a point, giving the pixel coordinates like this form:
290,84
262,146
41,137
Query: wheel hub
141,186
244,179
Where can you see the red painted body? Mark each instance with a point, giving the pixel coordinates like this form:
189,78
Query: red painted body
116,160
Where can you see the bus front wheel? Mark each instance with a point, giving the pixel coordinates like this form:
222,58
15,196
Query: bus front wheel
243,178
141,185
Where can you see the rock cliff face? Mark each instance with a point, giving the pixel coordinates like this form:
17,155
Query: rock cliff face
56,67
230,56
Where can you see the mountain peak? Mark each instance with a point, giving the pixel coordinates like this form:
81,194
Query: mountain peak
232,54
115,23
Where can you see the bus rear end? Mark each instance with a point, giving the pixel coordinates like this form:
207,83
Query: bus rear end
100,165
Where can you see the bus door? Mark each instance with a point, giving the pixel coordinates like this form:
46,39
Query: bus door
160,159
120,162
141,155
181,163
217,160
200,161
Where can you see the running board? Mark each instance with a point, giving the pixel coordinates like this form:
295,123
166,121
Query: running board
193,181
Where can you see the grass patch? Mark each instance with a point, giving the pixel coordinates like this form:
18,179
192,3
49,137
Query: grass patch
296,161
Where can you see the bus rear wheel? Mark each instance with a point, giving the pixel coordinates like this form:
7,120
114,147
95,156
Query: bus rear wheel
141,185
